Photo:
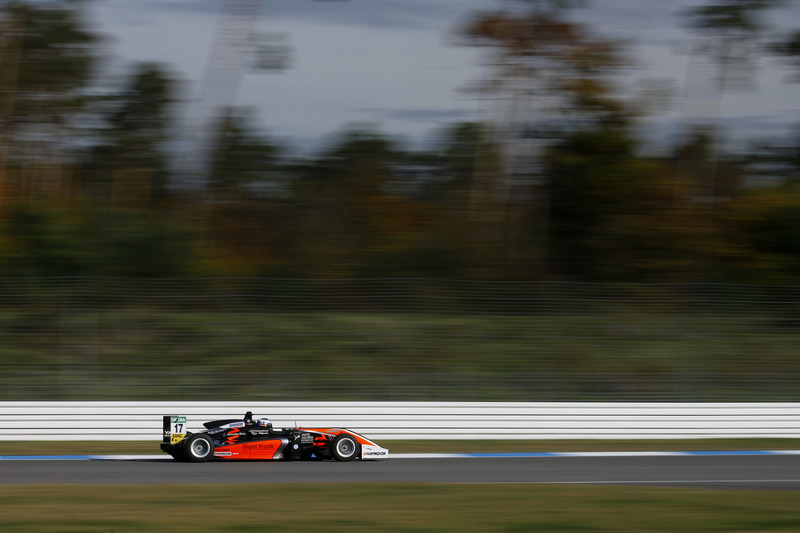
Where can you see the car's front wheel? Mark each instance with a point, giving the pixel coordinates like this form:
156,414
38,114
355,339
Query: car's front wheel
198,448
344,448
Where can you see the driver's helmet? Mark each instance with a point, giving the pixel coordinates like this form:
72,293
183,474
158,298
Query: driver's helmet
264,422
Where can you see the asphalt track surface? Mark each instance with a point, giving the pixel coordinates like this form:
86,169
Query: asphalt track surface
726,471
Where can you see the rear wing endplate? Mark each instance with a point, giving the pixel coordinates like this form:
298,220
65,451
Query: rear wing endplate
174,429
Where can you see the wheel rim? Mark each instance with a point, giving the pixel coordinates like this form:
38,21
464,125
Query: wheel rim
346,447
200,448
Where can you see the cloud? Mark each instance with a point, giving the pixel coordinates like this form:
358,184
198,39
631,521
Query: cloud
390,61
747,126
387,14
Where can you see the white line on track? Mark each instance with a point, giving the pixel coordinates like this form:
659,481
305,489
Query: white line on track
586,454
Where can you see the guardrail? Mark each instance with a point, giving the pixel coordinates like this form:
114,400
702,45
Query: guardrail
63,421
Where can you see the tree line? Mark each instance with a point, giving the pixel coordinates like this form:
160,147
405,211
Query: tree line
555,185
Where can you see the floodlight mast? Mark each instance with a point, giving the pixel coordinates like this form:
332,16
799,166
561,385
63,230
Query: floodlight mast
235,49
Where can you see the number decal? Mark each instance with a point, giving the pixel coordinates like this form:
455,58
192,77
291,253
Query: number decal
178,428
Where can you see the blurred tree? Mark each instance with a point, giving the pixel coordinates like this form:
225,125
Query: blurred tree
129,165
41,242
354,218
777,162
764,235
598,189
550,76
438,182
136,244
614,217
788,47
729,34
245,162
248,212
458,144
452,160
697,156
44,240
48,55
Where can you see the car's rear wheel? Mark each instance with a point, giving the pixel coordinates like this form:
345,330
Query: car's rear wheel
198,448
344,448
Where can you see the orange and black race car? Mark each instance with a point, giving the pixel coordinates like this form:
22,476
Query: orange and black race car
256,439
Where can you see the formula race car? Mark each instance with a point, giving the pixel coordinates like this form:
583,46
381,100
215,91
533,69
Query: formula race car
256,439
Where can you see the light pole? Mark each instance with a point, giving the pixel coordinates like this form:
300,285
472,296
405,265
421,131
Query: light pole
235,49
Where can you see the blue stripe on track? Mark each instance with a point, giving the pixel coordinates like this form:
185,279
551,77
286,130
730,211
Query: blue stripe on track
630,454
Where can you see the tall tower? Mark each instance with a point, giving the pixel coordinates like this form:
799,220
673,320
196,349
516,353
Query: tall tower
236,48
232,54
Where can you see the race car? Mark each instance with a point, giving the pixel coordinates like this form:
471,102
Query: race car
249,438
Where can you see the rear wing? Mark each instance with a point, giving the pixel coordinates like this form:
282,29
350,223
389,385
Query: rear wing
174,429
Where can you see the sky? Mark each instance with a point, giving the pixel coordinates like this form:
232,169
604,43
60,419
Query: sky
396,64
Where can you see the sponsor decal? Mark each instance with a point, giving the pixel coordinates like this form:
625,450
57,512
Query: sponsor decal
373,452
223,454
269,446
306,438
233,435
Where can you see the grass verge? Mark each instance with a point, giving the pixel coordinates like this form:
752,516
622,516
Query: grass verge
392,508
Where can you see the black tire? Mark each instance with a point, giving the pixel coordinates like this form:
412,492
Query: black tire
198,448
322,453
344,447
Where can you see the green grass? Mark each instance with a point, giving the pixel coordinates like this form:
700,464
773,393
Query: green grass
606,354
392,508
443,446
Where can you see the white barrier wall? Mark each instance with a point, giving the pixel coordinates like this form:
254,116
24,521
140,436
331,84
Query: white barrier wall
141,421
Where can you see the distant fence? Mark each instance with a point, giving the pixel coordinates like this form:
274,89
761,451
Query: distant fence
141,421
266,339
